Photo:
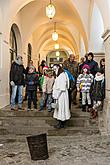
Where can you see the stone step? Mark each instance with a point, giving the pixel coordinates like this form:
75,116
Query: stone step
34,122
45,113
44,122
31,125
68,131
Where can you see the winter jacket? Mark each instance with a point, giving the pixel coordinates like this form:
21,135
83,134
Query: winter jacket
84,82
17,73
48,84
98,90
93,66
32,81
72,67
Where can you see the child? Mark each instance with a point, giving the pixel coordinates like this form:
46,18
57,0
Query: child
98,92
47,90
41,78
32,82
84,82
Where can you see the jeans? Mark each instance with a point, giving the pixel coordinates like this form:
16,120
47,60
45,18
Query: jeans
48,98
20,95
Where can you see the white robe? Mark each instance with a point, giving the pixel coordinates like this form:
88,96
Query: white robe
60,92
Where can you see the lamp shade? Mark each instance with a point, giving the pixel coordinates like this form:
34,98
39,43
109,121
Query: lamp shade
56,46
50,11
55,36
57,53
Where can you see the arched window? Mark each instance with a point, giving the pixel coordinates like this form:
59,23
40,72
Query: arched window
29,52
13,44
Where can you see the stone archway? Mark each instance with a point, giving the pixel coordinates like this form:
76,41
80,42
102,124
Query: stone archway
15,42
57,56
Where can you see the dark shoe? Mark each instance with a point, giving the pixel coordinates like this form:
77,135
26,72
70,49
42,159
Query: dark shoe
40,109
84,108
49,110
25,99
75,103
20,108
29,109
13,109
59,125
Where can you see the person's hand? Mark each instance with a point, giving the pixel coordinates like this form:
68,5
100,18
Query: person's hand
78,89
12,83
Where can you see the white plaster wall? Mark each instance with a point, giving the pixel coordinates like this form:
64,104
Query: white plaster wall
104,7
82,7
96,31
82,47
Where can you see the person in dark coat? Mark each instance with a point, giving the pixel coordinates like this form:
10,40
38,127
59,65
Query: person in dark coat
32,83
102,64
72,66
92,64
27,70
98,92
17,72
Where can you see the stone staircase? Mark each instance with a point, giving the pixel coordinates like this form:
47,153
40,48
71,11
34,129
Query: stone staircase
34,122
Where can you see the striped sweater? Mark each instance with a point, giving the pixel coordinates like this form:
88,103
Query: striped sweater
84,82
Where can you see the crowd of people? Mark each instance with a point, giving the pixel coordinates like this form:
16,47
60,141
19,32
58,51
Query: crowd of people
59,86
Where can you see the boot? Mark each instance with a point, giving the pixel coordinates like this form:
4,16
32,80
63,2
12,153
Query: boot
84,108
62,124
58,125
95,114
89,107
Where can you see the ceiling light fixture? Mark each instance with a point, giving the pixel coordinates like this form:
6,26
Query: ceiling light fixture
57,53
55,34
50,10
56,46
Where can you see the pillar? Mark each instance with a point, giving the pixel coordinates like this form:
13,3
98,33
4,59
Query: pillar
106,108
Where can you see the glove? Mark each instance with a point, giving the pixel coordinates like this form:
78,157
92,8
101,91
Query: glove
31,83
12,83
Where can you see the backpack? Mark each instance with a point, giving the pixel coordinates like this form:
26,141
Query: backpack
72,84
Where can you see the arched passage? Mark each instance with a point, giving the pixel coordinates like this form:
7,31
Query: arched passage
15,42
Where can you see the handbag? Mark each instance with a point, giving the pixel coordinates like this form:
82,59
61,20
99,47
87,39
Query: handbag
54,105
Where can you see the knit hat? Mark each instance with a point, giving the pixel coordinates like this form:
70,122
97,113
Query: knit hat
31,68
86,66
45,67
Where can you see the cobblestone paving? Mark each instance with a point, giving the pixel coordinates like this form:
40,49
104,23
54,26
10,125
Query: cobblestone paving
74,150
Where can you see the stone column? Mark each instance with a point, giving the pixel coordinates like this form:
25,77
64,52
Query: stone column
106,108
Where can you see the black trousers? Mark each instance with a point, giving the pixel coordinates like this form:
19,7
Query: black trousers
32,98
70,98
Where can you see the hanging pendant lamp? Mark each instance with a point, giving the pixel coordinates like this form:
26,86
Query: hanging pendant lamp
50,10
56,46
55,34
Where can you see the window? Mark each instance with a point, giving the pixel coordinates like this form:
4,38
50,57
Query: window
29,52
13,45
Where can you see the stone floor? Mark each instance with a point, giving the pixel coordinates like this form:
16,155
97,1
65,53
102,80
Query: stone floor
78,149
73,150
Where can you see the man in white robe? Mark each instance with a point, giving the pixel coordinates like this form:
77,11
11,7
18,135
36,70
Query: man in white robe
60,93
